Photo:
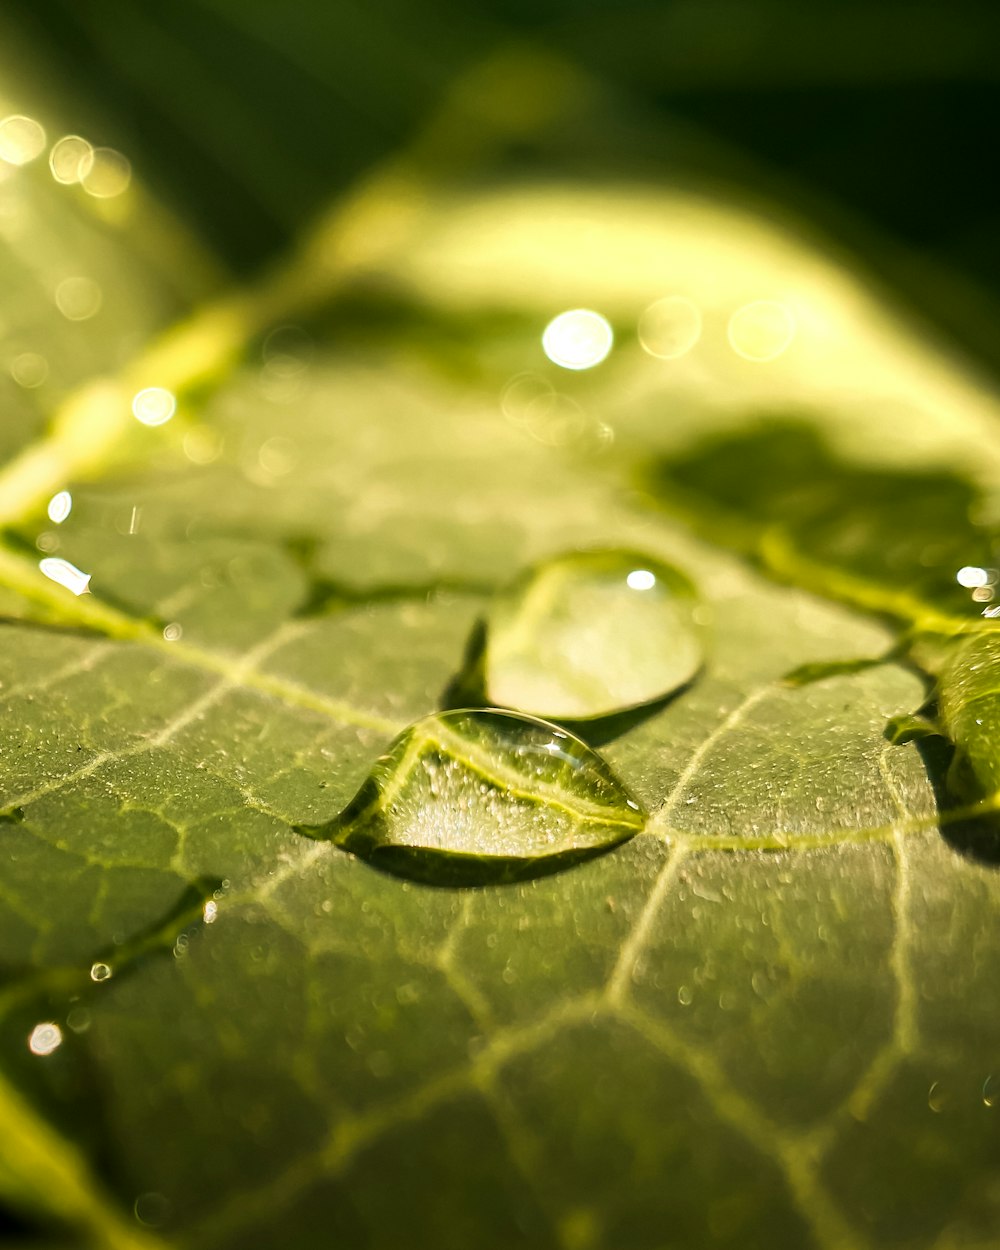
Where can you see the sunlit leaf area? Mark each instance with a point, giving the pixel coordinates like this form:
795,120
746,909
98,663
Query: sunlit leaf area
499,626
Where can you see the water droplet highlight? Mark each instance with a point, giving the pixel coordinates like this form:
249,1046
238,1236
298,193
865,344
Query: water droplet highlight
60,506
45,1038
71,159
58,570
589,634
481,795
970,576
21,139
154,406
577,339
101,972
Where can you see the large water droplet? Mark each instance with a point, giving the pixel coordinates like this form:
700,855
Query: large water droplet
474,796
592,633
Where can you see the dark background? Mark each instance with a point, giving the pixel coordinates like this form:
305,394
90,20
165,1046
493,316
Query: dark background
876,121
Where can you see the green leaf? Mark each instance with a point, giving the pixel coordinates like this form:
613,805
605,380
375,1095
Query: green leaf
767,1019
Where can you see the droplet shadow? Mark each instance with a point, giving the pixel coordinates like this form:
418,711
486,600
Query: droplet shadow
976,837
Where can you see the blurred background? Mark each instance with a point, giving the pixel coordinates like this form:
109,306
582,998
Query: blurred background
875,121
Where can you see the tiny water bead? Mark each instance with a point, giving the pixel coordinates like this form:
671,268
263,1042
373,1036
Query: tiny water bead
481,795
592,633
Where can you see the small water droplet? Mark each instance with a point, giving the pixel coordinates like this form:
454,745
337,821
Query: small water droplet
937,1097
684,995
991,1091
592,633
466,797
210,911
100,972
66,574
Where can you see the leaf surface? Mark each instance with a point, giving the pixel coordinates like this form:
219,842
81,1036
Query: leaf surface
767,1019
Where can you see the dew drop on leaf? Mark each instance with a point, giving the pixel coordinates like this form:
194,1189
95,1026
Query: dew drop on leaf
479,795
589,634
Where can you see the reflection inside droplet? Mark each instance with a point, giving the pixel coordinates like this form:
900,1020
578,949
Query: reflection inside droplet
761,331
45,1038
60,506
173,632
154,406
640,579
71,159
100,972
21,139
669,328
577,339
59,570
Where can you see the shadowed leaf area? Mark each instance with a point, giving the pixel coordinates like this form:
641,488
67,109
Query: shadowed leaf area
908,531
294,949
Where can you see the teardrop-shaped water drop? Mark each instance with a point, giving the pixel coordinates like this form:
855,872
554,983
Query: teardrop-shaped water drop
479,795
592,633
